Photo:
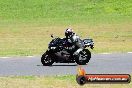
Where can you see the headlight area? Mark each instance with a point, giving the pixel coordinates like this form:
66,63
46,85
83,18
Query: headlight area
52,47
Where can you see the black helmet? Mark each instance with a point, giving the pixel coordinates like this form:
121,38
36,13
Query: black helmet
69,32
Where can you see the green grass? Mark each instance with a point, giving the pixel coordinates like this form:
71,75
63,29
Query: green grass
67,81
65,11
26,25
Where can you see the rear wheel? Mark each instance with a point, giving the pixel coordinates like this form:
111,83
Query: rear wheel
46,60
84,57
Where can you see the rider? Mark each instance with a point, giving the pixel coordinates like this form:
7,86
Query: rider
74,40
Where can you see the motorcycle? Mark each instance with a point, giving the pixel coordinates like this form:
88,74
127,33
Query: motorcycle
59,52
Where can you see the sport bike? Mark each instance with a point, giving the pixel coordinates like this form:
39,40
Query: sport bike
59,52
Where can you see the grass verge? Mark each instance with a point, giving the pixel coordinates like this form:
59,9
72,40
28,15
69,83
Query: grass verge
28,39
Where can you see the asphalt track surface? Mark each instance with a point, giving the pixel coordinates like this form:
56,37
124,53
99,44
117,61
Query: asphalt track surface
99,63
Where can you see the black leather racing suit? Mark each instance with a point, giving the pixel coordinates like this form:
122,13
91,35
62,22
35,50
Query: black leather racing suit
76,41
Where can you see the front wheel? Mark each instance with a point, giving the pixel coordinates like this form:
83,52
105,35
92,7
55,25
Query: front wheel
84,57
46,59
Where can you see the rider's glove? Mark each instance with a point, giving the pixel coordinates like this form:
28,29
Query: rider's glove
75,53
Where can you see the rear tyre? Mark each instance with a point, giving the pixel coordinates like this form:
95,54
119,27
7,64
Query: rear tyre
46,60
84,57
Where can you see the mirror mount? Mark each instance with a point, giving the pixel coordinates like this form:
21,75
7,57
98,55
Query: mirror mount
52,36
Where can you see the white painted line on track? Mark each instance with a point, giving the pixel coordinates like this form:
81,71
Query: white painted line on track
5,57
104,53
35,56
30,56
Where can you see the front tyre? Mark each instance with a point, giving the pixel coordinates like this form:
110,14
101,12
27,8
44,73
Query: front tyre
84,57
46,60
